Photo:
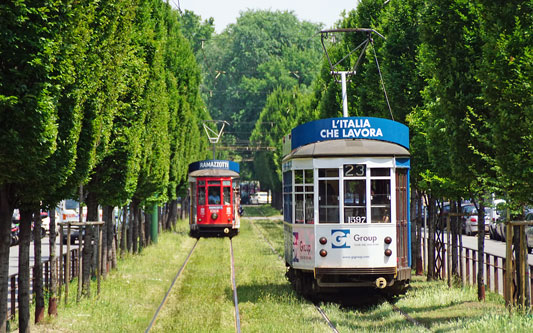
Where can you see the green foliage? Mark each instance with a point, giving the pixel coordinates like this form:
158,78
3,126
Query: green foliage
506,73
247,61
284,110
198,32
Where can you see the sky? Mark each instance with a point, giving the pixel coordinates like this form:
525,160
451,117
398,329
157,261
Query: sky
226,11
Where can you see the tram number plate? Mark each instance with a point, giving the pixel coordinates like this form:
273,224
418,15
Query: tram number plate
356,219
354,170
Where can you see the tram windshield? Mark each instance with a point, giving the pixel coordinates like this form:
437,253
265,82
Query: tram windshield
213,195
355,201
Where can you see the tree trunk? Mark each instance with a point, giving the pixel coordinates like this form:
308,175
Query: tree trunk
106,218
420,221
431,239
124,232
454,227
24,270
52,298
38,268
6,213
110,236
481,251
147,227
131,220
173,215
135,227
88,248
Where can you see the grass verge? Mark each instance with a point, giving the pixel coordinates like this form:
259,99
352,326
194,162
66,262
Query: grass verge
129,295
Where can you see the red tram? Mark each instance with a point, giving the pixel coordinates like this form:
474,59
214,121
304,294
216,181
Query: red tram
215,199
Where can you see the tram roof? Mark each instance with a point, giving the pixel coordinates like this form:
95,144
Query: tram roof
214,168
213,173
348,147
348,128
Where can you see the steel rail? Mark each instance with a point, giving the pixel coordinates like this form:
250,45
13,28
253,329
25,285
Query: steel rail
407,316
170,288
317,307
234,287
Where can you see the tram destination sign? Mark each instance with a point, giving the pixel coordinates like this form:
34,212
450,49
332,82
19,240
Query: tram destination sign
350,128
214,164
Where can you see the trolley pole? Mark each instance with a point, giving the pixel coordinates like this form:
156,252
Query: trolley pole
155,223
344,94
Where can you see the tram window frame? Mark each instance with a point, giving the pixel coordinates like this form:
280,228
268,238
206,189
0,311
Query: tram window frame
381,203
328,211
287,196
304,196
226,195
356,211
201,196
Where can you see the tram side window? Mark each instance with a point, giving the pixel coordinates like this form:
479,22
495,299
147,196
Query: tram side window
287,196
213,195
328,196
227,195
201,195
304,204
355,201
380,201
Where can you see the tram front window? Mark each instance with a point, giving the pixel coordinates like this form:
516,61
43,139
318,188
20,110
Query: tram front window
355,201
328,200
227,195
380,201
213,195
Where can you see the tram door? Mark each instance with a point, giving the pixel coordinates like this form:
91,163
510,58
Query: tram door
401,217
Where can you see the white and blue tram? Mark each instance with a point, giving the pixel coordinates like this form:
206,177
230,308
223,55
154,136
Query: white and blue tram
346,205
214,193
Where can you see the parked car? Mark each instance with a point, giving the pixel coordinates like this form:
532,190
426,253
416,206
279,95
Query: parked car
470,222
259,198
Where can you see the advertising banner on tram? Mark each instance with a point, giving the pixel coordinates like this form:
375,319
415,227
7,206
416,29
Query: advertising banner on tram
356,246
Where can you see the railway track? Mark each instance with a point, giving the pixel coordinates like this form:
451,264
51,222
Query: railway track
170,288
233,287
317,307
322,312
407,316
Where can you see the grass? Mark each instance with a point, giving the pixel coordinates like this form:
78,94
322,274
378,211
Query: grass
201,300
130,294
263,210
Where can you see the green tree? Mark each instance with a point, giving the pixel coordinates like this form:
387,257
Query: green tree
252,57
195,30
284,109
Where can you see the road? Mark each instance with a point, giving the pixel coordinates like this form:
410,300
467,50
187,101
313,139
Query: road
493,247
45,253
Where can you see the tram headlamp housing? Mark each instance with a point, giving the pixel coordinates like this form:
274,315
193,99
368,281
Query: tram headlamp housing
388,252
323,240
388,240
323,253
214,216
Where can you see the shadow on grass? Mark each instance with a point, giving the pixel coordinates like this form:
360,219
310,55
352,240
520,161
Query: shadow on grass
257,292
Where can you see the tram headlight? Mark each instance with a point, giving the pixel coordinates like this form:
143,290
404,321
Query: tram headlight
323,240
388,252
323,253
388,240
214,216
